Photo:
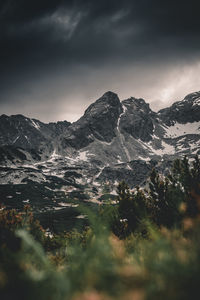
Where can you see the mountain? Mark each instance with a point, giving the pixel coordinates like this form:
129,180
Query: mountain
113,140
27,133
185,111
98,123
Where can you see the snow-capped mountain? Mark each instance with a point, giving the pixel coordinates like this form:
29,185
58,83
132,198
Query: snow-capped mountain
113,140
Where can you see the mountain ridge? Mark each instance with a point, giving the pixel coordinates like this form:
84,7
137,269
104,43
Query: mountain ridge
113,140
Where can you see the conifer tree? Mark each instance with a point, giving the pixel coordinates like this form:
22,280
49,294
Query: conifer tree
132,207
164,199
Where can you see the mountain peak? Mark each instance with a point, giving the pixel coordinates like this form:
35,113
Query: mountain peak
136,104
139,101
98,122
192,96
109,94
109,99
184,111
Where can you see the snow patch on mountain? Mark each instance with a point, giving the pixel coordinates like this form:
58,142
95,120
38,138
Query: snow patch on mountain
53,156
196,102
36,125
83,156
178,129
15,139
164,149
121,136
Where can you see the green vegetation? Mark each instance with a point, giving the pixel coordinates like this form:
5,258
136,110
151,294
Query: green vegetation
146,246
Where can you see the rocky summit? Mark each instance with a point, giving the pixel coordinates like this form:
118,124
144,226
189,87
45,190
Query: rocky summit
112,141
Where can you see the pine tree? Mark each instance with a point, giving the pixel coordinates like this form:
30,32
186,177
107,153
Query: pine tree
164,199
187,178
132,207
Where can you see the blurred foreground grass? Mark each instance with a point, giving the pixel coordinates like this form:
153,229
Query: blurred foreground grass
94,264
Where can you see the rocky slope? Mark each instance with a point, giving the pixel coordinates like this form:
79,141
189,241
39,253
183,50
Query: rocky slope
112,141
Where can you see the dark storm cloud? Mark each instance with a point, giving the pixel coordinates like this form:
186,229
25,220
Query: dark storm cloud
48,48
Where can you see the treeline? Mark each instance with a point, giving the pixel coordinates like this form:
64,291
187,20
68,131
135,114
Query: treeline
166,201
146,246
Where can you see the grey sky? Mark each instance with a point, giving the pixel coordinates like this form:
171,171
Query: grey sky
57,57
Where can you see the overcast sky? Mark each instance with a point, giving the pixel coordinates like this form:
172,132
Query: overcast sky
57,57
